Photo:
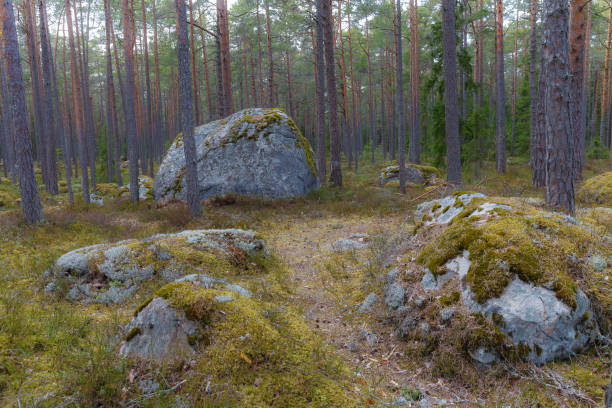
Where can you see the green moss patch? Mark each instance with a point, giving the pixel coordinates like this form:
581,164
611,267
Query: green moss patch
538,247
596,190
256,353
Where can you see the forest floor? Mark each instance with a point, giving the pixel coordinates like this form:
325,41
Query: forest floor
46,357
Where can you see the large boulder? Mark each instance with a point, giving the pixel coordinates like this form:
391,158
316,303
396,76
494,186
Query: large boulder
254,152
526,278
111,273
415,173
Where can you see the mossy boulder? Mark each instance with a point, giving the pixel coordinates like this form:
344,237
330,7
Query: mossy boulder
145,189
525,270
596,190
111,273
415,173
253,353
254,152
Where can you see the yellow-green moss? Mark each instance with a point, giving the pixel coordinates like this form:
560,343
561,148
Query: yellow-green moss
534,246
450,299
597,190
132,333
263,352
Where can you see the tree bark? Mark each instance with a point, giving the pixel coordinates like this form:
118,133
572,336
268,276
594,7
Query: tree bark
335,173
500,92
533,83
271,95
320,94
605,84
130,94
577,45
449,44
558,107
189,146
401,111
30,201
414,152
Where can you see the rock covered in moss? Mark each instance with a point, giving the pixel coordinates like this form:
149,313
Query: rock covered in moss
145,189
444,210
259,353
415,173
523,271
254,152
110,273
159,332
596,190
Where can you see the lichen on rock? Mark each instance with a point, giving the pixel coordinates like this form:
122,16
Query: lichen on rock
254,152
110,273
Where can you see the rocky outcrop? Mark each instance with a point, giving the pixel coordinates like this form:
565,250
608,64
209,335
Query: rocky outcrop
517,271
596,190
110,273
414,174
254,152
163,333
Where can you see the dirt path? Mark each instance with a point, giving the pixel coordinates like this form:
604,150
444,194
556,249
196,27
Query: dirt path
367,343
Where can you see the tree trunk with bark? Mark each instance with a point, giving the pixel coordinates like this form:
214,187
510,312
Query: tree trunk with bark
414,152
577,45
449,44
191,170
558,110
30,201
500,92
130,94
335,174
320,92
401,111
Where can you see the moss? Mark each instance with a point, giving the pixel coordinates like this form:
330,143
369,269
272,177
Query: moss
445,209
534,246
451,299
253,342
523,350
597,190
435,207
498,320
132,333
428,171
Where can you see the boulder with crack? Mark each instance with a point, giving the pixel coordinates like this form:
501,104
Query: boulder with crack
110,273
254,152
518,272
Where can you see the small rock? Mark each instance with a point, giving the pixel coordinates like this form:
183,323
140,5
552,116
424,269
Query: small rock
50,287
483,355
429,281
352,346
446,314
418,301
608,403
367,303
406,326
400,402
345,244
394,295
598,262
424,328
392,275
369,337
46,274
148,386
224,299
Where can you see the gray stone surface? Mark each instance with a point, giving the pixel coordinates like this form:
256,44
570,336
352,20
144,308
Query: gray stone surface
246,153
483,355
118,275
367,303
145,188
444,210
413,175
533,315
598,262
162,333
394,295
446,314
352,243
608,401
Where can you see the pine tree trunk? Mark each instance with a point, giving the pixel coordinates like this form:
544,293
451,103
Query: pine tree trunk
453,148
30,201
130,94
514,82
605,85
206,75
500,92
77,104
48,93
414,153
113,127
320,94
577,42
191,175
335,174
401,112
356,136
271,95
533,83
558,105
